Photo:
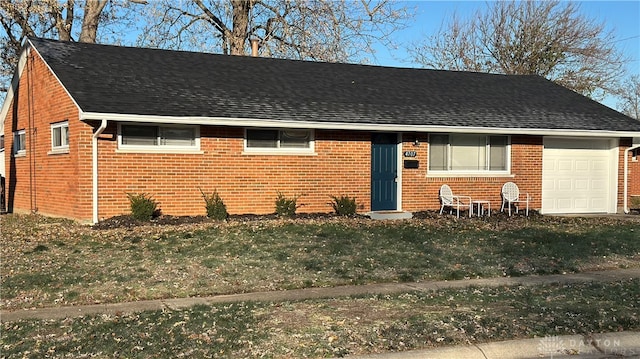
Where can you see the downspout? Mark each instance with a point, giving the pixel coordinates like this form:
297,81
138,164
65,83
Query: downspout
626,177
94,144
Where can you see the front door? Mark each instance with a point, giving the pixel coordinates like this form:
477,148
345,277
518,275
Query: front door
384,171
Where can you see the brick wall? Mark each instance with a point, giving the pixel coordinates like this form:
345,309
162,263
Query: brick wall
633,173
41,181
421,190
248,183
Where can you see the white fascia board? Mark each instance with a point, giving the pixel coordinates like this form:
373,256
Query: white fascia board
269,123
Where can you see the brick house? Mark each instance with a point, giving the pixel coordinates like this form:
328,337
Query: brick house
85,124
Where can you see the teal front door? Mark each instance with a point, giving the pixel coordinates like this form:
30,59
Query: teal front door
384,171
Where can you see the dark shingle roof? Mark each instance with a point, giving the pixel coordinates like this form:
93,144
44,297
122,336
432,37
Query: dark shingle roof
126,80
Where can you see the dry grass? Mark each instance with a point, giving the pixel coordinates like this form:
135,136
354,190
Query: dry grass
335,327
49,262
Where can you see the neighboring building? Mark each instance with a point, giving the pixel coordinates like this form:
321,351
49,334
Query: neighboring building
85,124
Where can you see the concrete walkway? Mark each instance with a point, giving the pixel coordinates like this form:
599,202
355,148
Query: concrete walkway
312,293
606,345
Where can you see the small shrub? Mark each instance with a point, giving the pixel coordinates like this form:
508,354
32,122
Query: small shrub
143,206
215,206
344,205
286,206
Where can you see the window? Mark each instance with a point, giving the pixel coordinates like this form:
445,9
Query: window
285,140
60,136
158,137
19,143
1,142
468,153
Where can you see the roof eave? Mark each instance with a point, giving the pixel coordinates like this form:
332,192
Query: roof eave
270,123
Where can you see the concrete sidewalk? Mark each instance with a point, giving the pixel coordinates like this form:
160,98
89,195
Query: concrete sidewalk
606,345
312,293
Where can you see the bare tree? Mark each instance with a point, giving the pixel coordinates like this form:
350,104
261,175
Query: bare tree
547,38
629,97
49,18
326,30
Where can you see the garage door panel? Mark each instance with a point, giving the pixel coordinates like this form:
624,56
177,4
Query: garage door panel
564,203
599,185
576,176
582,165
599,165
564,184
565,165
581,204
581,185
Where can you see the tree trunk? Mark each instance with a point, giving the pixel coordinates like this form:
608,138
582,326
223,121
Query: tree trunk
92,11
64,26
239,34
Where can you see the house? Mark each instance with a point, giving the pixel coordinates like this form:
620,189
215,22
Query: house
85,124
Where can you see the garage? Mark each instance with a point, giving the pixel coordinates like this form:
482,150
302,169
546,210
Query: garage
579,175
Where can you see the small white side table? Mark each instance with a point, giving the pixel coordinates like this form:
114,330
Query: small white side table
481,207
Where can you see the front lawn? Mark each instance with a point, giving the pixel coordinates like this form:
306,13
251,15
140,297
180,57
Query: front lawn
337,327
48,262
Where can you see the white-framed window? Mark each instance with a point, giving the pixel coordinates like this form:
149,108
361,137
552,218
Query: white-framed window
160,138
1,142
469,153
60,136
279,140
20,143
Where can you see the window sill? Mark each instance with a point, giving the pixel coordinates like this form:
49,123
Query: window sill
470,174
161,151
278,153
19,154
60,151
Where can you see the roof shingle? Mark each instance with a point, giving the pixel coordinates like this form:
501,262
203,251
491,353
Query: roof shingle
127,80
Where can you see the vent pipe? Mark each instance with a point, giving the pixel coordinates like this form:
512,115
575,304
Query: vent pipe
254,46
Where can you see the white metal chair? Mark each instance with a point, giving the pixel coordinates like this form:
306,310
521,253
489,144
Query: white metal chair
511,196
448,199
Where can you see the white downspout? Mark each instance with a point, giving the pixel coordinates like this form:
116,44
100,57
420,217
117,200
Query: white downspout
626,176
94,143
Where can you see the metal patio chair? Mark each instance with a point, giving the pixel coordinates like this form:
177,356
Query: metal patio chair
511,196
448,199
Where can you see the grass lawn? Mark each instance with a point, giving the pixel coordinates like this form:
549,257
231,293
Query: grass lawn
49,262
334,327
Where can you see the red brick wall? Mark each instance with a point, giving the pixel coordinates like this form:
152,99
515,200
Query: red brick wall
633,173
421,190
41,181
248,183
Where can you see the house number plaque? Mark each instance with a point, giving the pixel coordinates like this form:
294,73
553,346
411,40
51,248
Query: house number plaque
410,153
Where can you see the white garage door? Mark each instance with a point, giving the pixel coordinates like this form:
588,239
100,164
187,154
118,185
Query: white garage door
578,176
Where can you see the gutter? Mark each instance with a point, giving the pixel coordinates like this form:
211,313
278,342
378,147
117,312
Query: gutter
355,126
626,177
94,144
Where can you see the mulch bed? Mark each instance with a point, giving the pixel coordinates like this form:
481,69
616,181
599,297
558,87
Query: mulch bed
127,221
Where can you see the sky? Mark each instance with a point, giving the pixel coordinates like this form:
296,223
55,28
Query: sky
621,17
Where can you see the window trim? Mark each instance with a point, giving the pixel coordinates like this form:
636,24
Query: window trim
158,148
16,151
471,173
310,150
64,147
